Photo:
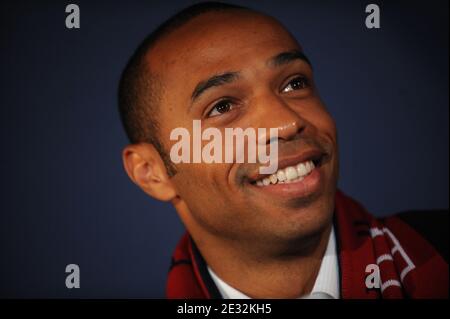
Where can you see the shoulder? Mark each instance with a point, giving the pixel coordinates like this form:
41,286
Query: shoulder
432,225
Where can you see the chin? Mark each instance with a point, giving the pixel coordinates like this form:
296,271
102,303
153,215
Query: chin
300,221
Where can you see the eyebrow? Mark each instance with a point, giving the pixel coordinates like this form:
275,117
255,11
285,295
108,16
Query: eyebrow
288,57
228,77
215,80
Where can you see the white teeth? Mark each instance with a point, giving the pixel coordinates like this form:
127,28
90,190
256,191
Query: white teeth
288,175
301,169
308,166
291,173
281,176
273,179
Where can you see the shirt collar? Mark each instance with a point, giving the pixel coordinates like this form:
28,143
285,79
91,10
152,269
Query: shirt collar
326,285
327,281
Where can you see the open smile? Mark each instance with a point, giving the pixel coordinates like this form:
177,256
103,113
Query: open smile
297,177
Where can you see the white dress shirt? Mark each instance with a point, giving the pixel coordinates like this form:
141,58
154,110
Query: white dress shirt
326,285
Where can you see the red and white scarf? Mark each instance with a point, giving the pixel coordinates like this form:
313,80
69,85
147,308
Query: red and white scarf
409,267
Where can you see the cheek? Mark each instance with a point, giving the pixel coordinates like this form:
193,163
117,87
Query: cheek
329,126
326,127
201,183
204,190
193,189
323,121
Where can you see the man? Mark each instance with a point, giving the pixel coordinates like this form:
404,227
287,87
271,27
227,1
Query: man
290,234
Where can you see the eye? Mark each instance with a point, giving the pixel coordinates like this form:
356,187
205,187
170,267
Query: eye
297,83
221,107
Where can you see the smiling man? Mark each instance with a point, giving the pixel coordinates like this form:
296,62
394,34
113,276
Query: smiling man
290,234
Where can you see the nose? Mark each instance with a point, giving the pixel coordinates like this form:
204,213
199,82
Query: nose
274,112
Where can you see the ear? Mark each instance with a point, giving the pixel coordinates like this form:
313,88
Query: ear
146,169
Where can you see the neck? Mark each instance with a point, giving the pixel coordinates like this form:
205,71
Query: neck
276,275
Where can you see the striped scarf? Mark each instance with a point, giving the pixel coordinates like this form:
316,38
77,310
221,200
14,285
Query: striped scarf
378,258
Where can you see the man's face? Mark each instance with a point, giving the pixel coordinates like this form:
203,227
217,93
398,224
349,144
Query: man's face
224,198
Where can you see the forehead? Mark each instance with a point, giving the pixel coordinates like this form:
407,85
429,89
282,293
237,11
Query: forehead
212,43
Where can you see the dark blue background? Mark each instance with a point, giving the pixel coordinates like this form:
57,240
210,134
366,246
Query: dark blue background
64,195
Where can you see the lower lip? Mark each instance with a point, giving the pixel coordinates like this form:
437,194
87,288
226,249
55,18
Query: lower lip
306,187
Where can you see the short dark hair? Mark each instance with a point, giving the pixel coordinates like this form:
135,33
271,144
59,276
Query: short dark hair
138,87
